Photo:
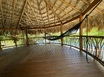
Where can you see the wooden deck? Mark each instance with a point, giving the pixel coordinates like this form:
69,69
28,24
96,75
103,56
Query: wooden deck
47,61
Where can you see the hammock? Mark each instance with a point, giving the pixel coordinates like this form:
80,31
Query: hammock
68,32
73,29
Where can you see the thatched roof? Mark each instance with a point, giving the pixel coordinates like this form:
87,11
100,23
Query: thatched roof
46,15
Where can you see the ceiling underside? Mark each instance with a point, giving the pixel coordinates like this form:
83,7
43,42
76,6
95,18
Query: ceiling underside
43,14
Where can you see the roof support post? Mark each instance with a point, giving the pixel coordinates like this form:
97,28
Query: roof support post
45,35
61,31
27,39
0,46
80,34
23,36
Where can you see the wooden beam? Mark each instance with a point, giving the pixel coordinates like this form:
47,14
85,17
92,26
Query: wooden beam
54,20
0,3
9,29
99,10
57,8
33,12
59,18
48,15
83,13
85,1
91,6
80,34
2,13
12,19
70,5
22,24
27,39
61,31
29,18
40,11
22,13
50,7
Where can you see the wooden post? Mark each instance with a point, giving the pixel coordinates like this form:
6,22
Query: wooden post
0,42
45,37
15,41
23,32
27,40
61,31
0,45
80,34
95,53
70,43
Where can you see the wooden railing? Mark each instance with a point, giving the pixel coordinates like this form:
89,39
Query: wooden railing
6,43
92,45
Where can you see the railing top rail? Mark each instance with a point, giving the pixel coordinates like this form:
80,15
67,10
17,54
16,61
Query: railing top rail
87,36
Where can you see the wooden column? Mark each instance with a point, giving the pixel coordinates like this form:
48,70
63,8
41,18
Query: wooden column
61,31
45,37
0,45
80,34
27,40
23,34
15,41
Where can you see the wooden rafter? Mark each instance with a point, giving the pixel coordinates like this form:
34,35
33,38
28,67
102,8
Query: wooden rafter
2,13
22,24
99,10
83,13
24,20
61,10
10,29
91,6
70,5
0,2
54,20
61,26
59,18
50,7
29,18
33,12
22,14
40,11
54,15
48,15
85,1
12,18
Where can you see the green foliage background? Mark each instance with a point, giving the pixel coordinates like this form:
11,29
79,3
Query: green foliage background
94,32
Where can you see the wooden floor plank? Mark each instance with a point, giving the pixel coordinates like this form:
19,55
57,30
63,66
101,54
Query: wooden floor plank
47,61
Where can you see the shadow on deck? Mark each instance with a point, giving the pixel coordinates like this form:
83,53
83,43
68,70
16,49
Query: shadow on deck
47,61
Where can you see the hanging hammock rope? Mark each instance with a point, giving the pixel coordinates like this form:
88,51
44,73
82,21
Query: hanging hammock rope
72,30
